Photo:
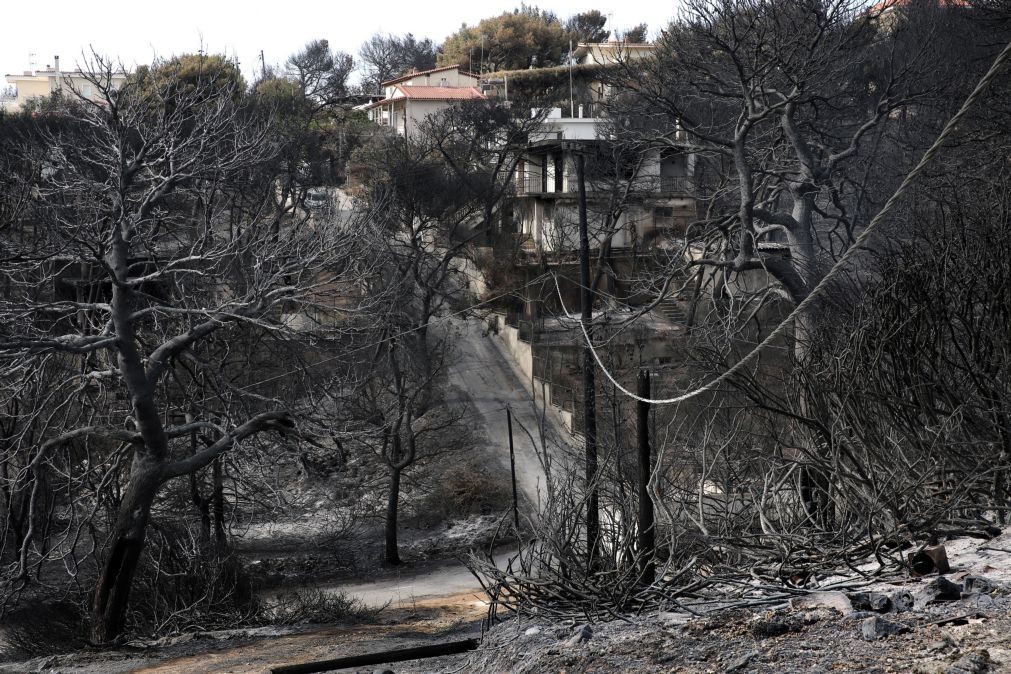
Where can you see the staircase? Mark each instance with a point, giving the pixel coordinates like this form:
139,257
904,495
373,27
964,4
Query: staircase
671,310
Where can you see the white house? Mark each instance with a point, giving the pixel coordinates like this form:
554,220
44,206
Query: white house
661,188
414,96
604,53
43,83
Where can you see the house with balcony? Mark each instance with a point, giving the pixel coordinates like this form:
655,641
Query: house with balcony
411,98
34,84
614,51
637,202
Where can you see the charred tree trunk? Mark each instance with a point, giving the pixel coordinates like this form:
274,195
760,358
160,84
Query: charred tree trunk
815,482
645,532
589,385
392,552
218,498
201,504
112,593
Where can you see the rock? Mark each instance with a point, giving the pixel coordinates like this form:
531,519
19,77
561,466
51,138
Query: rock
774,624
584,634
833,600
979,585
531,631
946,643
741,662
49,663
673,619
875,627
902,601
938,589
871,601
977,662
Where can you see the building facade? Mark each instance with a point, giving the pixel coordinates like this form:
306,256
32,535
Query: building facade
411,98
35,84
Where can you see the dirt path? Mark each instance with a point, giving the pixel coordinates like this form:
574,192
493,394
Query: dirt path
428,621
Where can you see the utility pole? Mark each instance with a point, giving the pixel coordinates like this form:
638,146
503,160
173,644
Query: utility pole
263,67
572,103
589,386
512,465
646,531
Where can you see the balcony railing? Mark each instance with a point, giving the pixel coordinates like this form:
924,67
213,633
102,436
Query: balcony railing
676,185
531,184
527,183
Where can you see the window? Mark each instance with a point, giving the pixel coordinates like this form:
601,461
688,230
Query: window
663,217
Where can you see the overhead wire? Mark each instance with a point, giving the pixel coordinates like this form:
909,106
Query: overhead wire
819,288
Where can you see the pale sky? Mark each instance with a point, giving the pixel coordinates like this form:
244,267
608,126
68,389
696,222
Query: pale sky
137,30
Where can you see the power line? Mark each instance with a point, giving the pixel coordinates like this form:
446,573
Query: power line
850,253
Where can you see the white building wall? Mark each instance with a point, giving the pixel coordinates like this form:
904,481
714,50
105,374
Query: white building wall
417,111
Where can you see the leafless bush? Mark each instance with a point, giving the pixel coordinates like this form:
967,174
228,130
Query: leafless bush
466,488
182,585
314,605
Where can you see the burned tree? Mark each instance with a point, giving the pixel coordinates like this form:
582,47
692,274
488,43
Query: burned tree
152,216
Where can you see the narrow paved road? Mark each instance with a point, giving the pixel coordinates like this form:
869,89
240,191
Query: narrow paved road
482,370
492,382
420,585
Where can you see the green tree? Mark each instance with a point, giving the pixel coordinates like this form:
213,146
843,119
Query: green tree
526,37
189,72
635,34
588,26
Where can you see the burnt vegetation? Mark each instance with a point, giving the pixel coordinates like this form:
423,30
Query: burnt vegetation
218,297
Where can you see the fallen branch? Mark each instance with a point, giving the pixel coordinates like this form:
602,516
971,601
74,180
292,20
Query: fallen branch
383,657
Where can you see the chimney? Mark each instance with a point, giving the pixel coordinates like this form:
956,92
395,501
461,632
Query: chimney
56,61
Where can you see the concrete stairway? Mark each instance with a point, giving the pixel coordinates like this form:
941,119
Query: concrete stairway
671,310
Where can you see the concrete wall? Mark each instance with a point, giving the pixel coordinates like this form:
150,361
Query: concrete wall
33,88
521,352
42,84
568,128
417,111
522,356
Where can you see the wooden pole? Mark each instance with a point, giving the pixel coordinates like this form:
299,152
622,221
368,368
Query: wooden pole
512,465
383,657
646,532
589,387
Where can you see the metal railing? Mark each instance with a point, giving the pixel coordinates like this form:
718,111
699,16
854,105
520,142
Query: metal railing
531,184
527,183
676,185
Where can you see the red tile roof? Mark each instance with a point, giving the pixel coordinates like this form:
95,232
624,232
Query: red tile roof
431,94
407,76
439,93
